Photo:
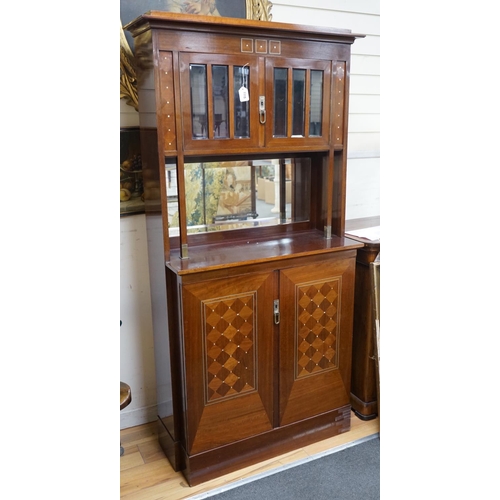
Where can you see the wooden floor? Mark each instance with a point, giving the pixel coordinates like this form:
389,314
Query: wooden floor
146,473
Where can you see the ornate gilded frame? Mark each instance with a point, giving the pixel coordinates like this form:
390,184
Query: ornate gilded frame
255,9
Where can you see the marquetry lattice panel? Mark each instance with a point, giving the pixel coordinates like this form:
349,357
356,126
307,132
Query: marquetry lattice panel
229,346
317,319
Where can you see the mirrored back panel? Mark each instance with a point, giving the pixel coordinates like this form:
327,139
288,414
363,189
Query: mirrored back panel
229,195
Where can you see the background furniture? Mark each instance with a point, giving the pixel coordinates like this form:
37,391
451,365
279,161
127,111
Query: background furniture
375,280
125,400
256,357
364,382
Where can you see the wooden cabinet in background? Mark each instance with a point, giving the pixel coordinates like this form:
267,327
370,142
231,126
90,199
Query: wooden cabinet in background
364,380
252,301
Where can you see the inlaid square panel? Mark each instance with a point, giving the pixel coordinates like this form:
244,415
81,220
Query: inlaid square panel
317,310
247,45
229,343
275,47
261,46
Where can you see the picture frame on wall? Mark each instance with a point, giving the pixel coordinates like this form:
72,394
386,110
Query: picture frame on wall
132,9
243,9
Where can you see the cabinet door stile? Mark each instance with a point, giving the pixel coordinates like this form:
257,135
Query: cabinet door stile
289,103
307,103
231,103
185,93
263,90
210,103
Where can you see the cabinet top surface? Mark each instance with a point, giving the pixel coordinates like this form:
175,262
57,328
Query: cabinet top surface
255,251
162,19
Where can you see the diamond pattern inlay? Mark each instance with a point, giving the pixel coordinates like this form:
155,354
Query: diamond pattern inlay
229,346
317,310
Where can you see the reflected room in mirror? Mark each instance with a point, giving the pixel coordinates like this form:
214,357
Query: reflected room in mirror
227,195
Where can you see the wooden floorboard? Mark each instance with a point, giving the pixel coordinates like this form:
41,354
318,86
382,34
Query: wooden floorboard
146,474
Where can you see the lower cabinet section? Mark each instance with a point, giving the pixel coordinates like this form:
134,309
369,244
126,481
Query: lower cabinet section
261,362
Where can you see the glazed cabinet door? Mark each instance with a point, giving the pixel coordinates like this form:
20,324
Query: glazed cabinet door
315,338
297,102
228,345
219,97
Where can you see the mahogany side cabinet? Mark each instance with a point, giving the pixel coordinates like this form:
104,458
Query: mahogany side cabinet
244,142
364,398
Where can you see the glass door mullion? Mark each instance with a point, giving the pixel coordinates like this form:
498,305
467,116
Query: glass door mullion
307,105
289,104
231,101
210,102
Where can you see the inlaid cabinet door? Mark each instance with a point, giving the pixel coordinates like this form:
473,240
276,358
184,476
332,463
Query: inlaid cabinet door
315,338
228,348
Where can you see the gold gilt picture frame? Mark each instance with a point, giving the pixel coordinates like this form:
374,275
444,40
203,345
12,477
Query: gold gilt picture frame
131,9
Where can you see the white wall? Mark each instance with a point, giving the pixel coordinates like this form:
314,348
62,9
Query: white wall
137,366
363,161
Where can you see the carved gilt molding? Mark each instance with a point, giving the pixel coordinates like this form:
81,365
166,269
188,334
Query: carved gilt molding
128,79
259,10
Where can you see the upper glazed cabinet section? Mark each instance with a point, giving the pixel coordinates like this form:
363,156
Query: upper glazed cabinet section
246,101
229,87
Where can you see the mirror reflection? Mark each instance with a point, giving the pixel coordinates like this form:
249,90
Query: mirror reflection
228,195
